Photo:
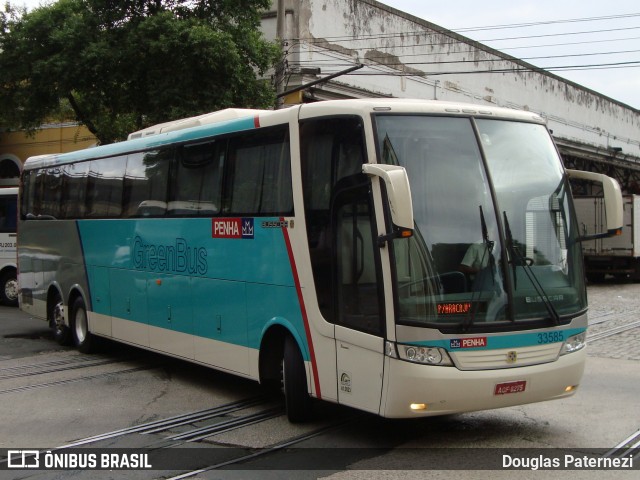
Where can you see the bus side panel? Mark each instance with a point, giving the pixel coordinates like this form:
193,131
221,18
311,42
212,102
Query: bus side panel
180,287
45,262
100,317
269,303
220,324
128,300
170,314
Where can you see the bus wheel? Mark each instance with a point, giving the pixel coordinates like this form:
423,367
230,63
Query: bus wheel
296,395
61,332
9,289
82,337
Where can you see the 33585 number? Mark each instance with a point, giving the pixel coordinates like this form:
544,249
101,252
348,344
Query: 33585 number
550,337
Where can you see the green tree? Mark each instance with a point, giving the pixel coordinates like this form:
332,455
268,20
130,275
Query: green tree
122,65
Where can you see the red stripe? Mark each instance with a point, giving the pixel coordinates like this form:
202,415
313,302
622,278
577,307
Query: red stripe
256,121
303,310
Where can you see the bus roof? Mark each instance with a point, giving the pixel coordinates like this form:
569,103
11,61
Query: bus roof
236,120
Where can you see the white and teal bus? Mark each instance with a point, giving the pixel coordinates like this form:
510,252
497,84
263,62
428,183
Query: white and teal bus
403,257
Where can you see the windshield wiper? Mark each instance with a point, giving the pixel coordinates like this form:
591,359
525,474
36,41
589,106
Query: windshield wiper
526,264
475,304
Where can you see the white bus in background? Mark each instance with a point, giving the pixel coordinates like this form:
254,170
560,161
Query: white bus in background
617,255
8,270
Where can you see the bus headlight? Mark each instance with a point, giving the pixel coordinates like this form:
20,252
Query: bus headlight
574,343
425,355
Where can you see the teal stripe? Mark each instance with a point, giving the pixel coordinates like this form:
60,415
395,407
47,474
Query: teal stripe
147,143
503,341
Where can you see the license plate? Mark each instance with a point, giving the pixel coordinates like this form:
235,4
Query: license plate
510,387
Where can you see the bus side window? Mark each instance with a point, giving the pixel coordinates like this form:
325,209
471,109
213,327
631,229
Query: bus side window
198,180
28,185
74,190
105,186
259,174
8,214
52,191
331,149
145,183
358,294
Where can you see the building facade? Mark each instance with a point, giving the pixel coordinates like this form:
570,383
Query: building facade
395,54
404,56
17,146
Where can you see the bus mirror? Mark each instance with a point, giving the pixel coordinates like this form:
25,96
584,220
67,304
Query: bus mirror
612,201
398,192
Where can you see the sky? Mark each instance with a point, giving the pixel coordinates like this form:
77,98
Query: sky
599,39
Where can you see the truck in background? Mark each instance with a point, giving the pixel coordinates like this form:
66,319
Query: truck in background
8,259
616,255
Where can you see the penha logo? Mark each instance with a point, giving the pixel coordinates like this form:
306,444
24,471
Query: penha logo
232,228
475,342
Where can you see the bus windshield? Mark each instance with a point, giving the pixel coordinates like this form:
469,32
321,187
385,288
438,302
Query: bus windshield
494,239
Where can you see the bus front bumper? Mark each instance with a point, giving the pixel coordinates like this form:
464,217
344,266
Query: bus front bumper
412,389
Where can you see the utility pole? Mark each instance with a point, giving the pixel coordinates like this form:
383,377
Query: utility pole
280,34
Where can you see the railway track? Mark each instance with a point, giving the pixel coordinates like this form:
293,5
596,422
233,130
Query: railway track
167,424
194,427
595,336
269,450
629,446
81,364
62,365
74,380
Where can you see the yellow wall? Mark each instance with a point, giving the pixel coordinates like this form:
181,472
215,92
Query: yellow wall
59,138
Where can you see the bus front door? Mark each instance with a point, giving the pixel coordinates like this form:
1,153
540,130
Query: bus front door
359,326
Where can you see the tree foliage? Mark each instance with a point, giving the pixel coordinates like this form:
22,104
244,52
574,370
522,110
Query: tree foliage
122,65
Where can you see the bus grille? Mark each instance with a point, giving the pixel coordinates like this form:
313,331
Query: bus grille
506,358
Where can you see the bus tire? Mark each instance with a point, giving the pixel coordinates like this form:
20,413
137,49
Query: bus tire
61,333
9,288
296,395
83,340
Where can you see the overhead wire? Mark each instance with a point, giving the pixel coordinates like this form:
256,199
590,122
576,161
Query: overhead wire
543,57
320,45
396,62
427,31
341,62
545,22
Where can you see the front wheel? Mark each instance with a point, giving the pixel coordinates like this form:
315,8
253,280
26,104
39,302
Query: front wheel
9,289
296,395
82,337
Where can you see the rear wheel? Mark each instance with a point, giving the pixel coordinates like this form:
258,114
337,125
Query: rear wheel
82,337
61,332
297,399
9,289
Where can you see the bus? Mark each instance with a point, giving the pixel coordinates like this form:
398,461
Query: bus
8,267
404,257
